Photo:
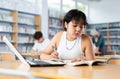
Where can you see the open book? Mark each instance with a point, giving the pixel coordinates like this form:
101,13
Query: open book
86,62
83,62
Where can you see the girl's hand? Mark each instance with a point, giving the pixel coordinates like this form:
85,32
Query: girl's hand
79,58
97,51
54,55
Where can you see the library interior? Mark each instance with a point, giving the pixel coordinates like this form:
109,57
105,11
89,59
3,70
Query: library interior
33,28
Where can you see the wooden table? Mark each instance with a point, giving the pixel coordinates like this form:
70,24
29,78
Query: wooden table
105,71
26,54
30,54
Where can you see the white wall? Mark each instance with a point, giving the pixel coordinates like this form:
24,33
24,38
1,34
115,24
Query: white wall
104,11
44,19
42,8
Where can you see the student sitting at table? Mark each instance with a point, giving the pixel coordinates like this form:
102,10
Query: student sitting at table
40,43
72,43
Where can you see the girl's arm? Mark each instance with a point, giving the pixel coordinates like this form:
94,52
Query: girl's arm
49,52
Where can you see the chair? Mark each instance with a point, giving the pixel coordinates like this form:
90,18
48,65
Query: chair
110,53
7,56
114,60
14,74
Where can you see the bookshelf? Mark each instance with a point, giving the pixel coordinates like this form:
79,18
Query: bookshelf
19,27
110,32
55,22
55,25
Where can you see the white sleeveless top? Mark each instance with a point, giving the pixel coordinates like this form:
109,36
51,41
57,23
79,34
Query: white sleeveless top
69,49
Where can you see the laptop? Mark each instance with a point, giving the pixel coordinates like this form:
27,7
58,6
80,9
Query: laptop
34,62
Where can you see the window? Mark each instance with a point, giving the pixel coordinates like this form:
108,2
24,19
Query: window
82,7
67,5
31,1
54,8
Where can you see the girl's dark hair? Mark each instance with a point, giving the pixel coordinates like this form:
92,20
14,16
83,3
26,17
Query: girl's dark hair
74,15
37,35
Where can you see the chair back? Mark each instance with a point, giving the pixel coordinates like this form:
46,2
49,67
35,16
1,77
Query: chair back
7,56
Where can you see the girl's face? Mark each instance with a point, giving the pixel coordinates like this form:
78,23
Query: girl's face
74,29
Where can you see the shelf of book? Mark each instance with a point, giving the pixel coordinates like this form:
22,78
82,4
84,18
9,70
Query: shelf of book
18,26
55,25
110,32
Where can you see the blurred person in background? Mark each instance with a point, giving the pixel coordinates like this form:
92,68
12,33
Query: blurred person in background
40,43
98,42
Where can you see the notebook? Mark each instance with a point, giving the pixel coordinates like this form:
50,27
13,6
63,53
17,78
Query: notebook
32,63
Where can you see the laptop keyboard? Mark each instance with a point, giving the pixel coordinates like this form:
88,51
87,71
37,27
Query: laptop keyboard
34,62
40,62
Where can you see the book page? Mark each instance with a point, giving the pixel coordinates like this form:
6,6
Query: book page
97,61
78,63
89,63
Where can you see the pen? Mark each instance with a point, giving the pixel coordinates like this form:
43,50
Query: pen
55,52
58,59
54,49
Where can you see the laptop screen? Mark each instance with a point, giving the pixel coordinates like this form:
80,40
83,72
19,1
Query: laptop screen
14,50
